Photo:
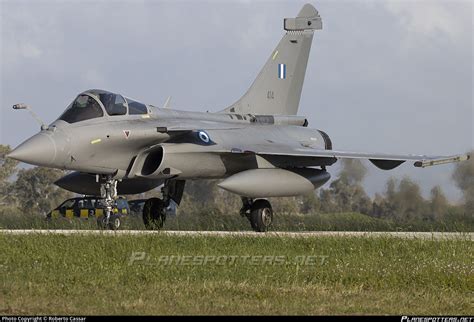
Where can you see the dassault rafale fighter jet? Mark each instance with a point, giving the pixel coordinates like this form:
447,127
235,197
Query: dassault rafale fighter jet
259,146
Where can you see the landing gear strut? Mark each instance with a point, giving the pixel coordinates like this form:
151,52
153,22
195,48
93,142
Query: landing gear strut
259,212
155,209
108,191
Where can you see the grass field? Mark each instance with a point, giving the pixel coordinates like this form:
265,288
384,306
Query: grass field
52,274
214,220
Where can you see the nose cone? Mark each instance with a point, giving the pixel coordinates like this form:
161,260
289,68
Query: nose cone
38,150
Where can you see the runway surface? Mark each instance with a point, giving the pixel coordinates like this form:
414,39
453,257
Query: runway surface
404,235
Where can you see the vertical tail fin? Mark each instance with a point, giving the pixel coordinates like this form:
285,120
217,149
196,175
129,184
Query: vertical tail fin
277,88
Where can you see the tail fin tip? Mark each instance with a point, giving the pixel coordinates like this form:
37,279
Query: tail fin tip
307,11
277,88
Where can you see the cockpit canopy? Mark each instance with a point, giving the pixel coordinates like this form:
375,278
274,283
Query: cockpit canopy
92,104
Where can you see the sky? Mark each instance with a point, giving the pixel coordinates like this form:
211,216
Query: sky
383,76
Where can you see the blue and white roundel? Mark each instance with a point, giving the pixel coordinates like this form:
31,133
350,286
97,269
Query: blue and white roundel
204,136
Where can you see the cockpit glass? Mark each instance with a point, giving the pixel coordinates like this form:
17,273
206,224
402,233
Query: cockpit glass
83,108
136,107
114,104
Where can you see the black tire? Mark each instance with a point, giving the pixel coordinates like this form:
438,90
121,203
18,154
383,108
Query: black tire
114,222
153,214
261,215
249,217
101,222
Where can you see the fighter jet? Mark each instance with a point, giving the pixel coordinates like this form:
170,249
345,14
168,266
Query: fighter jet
258,146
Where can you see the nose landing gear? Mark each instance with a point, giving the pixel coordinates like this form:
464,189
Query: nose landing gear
108,191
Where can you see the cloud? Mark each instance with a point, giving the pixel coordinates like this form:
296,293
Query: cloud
29,50
93,78
433,18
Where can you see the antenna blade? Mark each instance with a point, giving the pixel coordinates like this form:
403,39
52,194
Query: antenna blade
167,103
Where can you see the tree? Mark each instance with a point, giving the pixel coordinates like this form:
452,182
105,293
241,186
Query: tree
404,202
379,206
391,191
36,192
410,201
347,192
464,178
8,168
438,203
353,171
328,204
205,195
387,207
201,191
309,203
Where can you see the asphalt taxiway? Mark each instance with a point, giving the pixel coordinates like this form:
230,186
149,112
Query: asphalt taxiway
404,235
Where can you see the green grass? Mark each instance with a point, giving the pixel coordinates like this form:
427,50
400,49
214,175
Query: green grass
53,274
212,219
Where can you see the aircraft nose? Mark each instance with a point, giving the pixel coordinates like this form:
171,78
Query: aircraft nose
40,149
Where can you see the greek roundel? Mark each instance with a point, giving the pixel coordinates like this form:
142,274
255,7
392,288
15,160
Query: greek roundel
282,71
204,136
200,137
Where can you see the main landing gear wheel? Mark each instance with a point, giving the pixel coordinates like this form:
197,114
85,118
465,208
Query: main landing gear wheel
155,209
154,214
114,222
258,212
261,215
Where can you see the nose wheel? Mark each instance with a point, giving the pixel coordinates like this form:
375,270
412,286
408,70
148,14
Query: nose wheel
258,212
113,223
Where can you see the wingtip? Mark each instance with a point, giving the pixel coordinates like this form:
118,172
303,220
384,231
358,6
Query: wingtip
464,157
444,160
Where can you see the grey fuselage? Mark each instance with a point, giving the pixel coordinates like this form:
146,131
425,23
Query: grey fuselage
113,145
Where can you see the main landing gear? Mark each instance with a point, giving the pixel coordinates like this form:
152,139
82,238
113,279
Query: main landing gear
259,212
156,209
